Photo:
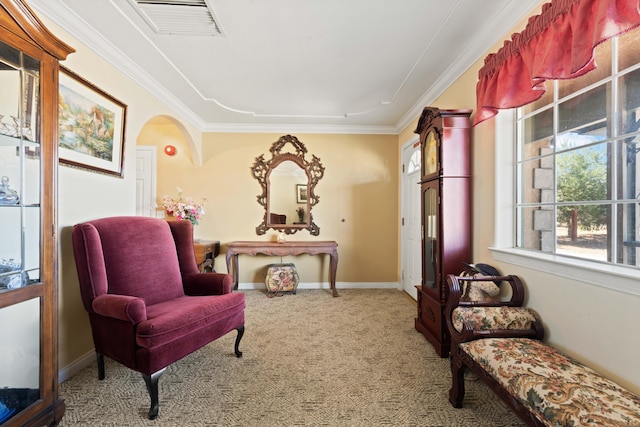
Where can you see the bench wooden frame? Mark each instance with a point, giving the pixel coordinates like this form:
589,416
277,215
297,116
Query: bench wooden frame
461,361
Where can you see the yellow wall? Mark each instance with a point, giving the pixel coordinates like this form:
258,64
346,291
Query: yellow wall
357,208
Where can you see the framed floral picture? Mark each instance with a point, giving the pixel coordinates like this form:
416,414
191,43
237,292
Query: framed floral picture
91,126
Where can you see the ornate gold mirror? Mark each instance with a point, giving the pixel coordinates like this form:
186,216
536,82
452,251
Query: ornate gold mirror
288,183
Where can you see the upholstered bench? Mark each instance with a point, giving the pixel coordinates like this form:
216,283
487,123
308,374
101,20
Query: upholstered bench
500,341
542,385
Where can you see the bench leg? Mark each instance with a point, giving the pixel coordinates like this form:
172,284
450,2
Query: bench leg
456,393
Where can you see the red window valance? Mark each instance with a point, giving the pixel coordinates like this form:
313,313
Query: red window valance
557,44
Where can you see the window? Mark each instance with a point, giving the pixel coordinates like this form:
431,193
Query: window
414,163
577,174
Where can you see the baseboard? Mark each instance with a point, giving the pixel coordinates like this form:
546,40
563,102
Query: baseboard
76,366
325,285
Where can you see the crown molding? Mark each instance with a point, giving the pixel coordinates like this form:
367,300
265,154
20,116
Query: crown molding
300,128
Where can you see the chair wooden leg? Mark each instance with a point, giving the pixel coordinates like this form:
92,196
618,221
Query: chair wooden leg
100,358
152,388
238,338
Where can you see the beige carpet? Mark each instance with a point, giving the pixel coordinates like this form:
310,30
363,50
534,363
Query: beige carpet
309,360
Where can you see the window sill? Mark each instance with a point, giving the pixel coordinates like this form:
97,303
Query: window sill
619,278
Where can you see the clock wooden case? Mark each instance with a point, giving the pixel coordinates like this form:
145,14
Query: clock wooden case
446,215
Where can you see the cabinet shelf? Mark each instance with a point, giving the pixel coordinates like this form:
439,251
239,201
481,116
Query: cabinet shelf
14,141
19,205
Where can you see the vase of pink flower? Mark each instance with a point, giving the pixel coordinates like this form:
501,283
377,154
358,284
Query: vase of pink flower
183,208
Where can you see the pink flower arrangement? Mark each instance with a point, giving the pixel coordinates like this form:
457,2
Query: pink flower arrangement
183,209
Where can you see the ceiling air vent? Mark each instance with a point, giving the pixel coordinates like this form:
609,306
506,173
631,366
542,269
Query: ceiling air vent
180,17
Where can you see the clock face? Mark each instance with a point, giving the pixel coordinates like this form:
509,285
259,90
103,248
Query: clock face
430,154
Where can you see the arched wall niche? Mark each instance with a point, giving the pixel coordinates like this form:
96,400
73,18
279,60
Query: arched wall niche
172,130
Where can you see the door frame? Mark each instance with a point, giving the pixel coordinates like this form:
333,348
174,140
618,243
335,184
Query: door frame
151,176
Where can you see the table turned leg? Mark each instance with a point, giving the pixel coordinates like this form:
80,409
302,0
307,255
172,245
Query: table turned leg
332,274
232,267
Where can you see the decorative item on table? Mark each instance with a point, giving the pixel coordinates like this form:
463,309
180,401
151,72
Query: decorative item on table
16,278
301,213
7,195
281,238
184,209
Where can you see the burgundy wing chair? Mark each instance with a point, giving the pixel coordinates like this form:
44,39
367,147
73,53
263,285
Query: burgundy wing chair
148,304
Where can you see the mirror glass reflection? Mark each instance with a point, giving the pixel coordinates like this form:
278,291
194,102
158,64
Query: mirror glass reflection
287,186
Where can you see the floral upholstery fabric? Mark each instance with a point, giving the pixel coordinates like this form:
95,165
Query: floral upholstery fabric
483,318
557,389
281,278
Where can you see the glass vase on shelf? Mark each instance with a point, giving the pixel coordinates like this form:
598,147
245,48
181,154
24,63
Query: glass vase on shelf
7,195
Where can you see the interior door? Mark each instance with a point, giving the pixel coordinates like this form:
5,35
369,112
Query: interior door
411,241
146,181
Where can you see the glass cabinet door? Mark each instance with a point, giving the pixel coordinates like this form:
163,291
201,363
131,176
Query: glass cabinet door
20,348
20,218
19,170
430,235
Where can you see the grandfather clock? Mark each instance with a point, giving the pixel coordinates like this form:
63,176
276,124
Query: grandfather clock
446,215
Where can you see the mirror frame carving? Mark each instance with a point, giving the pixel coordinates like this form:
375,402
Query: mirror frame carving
262,169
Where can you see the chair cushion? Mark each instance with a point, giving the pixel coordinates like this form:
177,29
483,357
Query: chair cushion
140,258
485,318
557,389
176,319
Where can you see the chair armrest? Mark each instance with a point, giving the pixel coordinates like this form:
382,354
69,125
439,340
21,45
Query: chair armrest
122,307
207,284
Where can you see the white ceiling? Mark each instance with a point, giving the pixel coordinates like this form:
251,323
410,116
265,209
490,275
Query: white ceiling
348,66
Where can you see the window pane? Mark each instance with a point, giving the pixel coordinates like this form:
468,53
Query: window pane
582,231
537,127
541,147
629,54
414,163
546,99
536,179
628,178
627,240
584,112
536,228
629,102
603,60
582,174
